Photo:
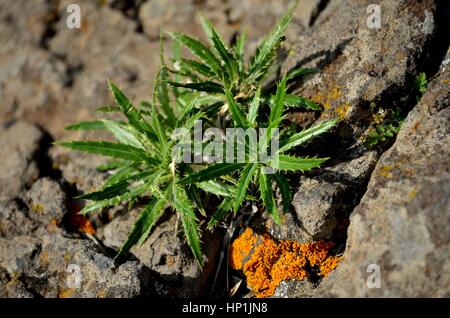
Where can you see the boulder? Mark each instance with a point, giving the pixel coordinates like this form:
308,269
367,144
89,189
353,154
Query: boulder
20,147
57,266
166,253
400,230
47,201
15,219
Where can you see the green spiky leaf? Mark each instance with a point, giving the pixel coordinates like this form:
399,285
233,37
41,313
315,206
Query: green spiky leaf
211,172
307,134
189,221
292,163
143,226
244,182
265,189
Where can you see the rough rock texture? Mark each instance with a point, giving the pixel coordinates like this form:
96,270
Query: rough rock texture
166,253
14,219
402,222
52,76
359,65
47,201
11,287
48,266
32,25
361,70
182,16
20,146
322,203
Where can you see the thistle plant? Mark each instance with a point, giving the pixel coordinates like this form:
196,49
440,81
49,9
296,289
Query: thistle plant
217,83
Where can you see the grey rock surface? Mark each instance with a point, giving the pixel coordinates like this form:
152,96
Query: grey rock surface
53,76
358,64
56,266
322,203
47,201
19,149
11,287
401,225
166,253
15,219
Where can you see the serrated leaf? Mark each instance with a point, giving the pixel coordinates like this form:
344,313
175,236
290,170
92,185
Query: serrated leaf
235,110
108,109
196,67
254,106
307,134
116,189
110,149
186,110
298,101
87,125
206,26
239,51
189,221
222,210
204,86
285,190
277,108
112,165
121,133
133,114
194,197
163,96
199,50
158,129
217,188
298,72
265,189
141,229
211,172
292,163
190,121
127,196
244,182
265,53
121,174
227,58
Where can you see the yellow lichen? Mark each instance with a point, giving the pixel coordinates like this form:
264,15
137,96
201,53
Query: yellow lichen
44,258
412,193
385,171
37,208
267,262
66,293
329,101
101,293
341,110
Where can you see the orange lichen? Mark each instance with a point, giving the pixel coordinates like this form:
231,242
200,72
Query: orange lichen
328,265
78,222
242,248
82,224
267,262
